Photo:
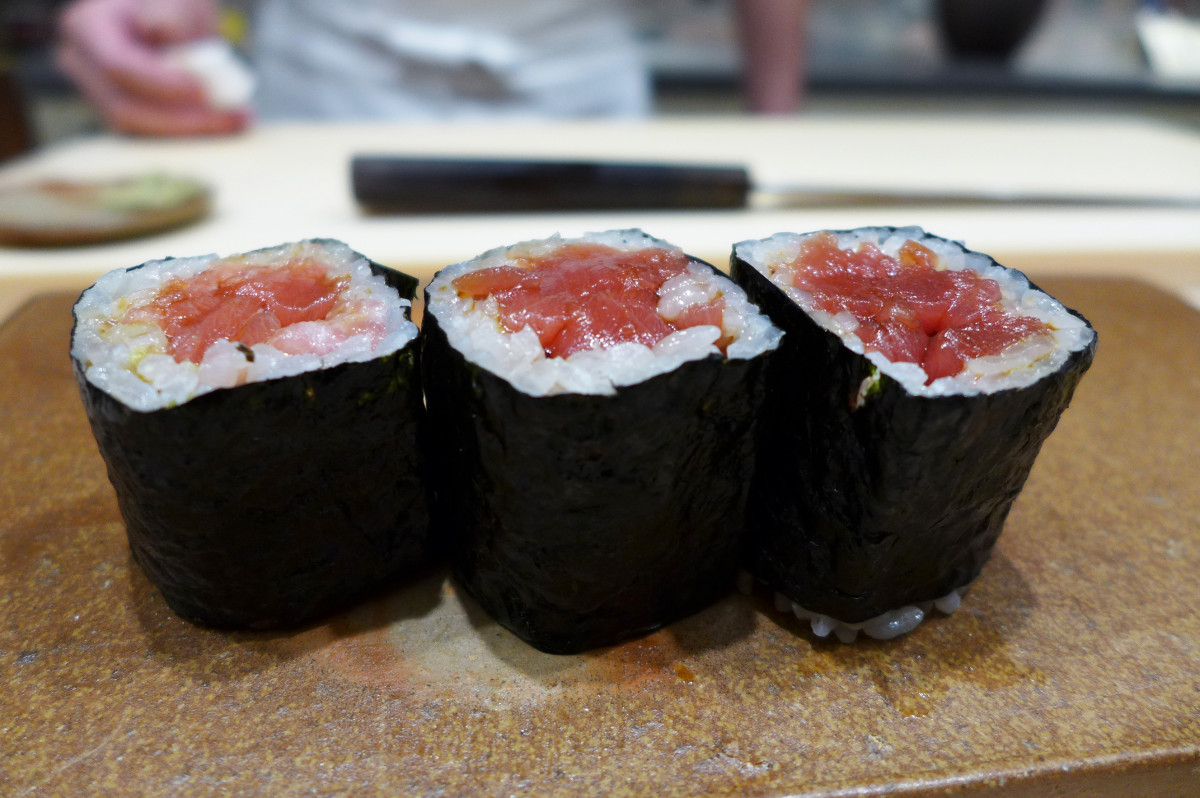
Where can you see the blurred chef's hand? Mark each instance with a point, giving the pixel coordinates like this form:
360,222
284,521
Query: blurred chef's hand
116,52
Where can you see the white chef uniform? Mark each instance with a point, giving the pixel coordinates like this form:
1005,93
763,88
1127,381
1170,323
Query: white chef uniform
447,59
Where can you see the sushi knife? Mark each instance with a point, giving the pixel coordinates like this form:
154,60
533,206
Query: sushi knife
400,184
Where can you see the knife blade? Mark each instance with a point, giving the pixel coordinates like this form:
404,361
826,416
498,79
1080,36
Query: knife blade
403,184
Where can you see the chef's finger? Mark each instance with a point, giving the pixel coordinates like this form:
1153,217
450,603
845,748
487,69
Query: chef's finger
175,21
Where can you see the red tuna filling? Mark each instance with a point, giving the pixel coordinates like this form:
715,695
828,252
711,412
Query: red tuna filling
587,296
240,303
906,308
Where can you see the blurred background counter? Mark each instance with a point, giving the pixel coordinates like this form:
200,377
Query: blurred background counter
285,182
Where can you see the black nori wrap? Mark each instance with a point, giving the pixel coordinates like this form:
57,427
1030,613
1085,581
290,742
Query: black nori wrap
274,503
858,511
580,520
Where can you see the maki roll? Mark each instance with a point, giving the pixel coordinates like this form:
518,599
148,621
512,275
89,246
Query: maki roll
593,403
260,418
915,385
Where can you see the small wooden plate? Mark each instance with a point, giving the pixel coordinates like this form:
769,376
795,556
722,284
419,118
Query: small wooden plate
61,213
1070,669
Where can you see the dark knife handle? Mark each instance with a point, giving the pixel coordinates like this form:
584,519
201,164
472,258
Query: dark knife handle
456,185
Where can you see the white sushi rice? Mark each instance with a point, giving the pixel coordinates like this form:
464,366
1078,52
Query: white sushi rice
885,626
474,327
130,360
228,83
1020,365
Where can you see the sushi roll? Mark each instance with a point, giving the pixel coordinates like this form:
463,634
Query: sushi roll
593,403
914,388
260,416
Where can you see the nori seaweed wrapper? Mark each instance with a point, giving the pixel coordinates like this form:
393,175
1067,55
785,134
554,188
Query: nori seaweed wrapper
859,510
273,503
580,520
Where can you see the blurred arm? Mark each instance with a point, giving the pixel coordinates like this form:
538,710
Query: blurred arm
112,51
772,38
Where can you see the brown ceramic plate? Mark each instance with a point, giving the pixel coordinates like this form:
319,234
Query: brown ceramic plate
1070,670
58,213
